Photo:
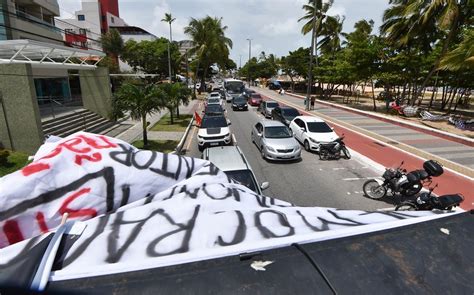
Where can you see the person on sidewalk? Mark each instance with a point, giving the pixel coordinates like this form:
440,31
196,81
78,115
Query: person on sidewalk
313,99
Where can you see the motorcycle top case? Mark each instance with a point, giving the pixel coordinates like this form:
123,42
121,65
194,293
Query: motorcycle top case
433,168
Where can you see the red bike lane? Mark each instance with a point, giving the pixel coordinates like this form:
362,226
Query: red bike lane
388,156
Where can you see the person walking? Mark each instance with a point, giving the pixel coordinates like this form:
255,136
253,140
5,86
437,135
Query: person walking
313,99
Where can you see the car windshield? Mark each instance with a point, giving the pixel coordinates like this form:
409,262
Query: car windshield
215,94
277,132
243,177
240,99
291,113
213,101
319,127
235,86
256,96
272,104
213,122
212,109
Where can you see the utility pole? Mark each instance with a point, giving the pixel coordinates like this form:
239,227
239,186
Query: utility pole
310,72
240,62
250,56
187,68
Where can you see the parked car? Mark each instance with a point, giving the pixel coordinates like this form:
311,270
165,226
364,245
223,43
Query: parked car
214,110
255,99
232,161
214,131
240,103
266,107
312,131
285,114
275,141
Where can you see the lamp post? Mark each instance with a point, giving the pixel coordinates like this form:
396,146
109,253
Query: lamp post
250,56
6,122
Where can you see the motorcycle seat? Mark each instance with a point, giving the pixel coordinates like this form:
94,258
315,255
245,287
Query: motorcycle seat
450,200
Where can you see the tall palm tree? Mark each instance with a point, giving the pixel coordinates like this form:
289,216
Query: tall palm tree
461,57
140,101
175,95
332,31
210,43
407,20
169,19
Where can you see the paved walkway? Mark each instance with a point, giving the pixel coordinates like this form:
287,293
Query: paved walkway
388,144
135,132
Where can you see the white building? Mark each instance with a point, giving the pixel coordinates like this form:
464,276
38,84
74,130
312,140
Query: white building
89,23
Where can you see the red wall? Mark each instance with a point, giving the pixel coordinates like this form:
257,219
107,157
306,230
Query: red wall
110,6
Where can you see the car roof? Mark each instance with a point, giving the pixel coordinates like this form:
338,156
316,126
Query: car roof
214,93
267,101
271,123
287,108
227,158
310,119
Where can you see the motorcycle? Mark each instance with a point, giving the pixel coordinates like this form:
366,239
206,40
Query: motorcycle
332,150
426,201
398,181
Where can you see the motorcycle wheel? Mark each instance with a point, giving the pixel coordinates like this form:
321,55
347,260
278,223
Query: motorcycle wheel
406,206
374,190
411,191
323,155
346,153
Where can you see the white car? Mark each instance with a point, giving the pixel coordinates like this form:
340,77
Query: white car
214,131
214,95
312,131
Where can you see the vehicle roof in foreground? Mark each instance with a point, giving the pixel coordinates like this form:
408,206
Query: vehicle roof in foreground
227,158
141,220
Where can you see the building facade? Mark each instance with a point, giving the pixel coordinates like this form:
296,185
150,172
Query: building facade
29,19
94,19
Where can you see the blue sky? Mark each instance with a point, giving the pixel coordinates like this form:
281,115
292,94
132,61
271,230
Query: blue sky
271,24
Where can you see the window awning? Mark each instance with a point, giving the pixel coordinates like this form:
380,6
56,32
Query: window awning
47,55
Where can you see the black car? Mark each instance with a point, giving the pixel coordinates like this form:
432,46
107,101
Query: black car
214,110
239,103
284,114
248,92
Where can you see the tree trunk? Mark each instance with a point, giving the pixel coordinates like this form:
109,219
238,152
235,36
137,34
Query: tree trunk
177,110
171,116
433,94
458,100
452,99
443,97
144,126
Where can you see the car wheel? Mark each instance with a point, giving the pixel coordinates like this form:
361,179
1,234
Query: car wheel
262,153
306,146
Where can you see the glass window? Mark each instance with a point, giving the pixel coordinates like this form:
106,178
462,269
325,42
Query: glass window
320,127
81,17
277,132
272,104
243,177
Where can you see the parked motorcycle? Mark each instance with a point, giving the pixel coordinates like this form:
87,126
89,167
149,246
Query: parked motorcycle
398,181
426,201
332,150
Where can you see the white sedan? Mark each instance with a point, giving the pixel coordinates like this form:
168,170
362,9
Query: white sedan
312,131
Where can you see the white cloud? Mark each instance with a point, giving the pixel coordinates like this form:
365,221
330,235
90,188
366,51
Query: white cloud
289,26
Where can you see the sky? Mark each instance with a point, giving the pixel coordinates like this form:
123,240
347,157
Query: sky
271,24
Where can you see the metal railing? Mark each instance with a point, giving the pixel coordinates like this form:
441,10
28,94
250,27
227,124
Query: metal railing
54,102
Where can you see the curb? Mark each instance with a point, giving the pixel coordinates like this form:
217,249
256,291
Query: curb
179,147
417,127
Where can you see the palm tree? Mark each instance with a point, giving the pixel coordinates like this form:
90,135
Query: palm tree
332,31
408,20
169,19
461,57
175,95
210,43
140,101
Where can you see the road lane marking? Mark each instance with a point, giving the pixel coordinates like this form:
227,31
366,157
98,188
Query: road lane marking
233,138
358,178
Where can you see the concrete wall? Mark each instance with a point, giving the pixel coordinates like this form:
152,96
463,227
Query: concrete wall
96,92
21,110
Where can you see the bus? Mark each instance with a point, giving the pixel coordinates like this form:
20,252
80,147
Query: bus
234,87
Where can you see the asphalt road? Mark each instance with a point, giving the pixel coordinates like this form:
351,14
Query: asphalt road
309,182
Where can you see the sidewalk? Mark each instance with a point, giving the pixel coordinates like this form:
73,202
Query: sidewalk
136,133
388,144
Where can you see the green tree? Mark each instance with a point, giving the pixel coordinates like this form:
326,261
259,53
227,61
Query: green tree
140,101
409,20
295,64
211,46
150,57
175,95
462,56
112,43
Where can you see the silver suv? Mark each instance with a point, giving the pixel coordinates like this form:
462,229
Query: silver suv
232,161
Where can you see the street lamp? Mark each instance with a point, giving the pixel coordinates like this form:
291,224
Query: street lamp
310,71
248,67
